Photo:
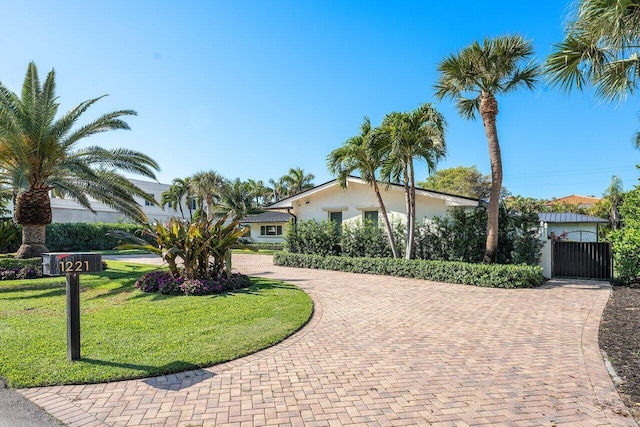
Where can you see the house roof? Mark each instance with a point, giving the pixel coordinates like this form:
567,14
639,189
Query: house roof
568,217
452,199
267,217
575,199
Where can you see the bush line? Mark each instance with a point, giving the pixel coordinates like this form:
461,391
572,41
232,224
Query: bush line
485,275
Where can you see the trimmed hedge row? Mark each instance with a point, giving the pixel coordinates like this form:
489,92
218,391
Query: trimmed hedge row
493,275
80,236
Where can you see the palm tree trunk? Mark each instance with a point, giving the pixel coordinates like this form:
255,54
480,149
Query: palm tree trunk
33,212
407,196
383,209
412,202
489,111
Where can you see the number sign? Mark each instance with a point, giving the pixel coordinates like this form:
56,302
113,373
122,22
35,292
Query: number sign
59,264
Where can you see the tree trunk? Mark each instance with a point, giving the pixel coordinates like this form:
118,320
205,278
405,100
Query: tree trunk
489,111
407,196
412,206
33,212
383,209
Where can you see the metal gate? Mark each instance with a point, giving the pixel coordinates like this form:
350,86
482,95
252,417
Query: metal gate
582,259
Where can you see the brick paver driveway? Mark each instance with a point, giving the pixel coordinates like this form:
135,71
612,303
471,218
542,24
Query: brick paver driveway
387,351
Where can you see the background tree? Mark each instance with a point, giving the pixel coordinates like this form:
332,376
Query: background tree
207,186
236,200
461,180
403,138
473,77
259,191
40,153
296,181
600,49
177,193
279,190
358,154
626,240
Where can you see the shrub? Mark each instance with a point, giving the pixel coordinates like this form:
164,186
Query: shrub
163,282
488,275
9,236
364,240
79,236
312,237
625,242
19,273
199,249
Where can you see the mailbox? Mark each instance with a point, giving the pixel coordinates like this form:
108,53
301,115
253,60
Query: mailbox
60,264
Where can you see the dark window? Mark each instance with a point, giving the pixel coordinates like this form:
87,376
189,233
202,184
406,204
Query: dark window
148,203
371,216
271,230
335,217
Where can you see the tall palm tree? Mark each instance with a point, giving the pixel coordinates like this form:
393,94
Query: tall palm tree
260,191
297,181
601,49
404,138
473,77
358,154
207,185
40,153
236,200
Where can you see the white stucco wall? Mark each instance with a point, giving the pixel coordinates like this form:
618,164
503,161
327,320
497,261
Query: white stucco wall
361,197
546,258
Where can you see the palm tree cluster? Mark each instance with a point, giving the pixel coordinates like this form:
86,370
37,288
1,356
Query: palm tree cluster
387,153
209,192
40,156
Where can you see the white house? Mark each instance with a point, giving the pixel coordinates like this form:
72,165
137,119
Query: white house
66,210
330,202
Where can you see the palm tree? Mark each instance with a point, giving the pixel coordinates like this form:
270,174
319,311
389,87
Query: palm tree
260,191
296,181
358,154
178,191
278,189
39,153
615,195
473,77
403,138
207,186
236,200
600,49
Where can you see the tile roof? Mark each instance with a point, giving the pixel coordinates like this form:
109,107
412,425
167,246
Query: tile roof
575,199
568,217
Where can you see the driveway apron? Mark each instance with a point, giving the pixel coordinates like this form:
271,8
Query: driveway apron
383,351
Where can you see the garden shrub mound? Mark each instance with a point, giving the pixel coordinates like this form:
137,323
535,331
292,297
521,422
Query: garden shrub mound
492,275
163,282
12,269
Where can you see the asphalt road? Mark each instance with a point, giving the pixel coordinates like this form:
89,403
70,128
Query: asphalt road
16,411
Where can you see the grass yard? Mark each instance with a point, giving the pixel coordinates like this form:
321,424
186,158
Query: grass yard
126,333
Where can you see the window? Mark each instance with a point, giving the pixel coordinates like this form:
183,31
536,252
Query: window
148,203
271,230
192,204
336,217
371,216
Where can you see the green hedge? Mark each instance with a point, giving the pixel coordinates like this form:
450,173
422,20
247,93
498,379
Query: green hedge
493,275
79,236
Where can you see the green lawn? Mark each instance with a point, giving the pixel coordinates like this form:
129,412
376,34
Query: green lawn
130,334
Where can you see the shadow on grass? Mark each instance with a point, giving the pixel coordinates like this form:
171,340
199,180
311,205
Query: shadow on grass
174,375
257,286
60,289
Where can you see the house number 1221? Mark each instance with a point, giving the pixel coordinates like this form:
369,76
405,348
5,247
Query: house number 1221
74,266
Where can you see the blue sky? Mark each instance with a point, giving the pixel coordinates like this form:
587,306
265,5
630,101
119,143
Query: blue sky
252,88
